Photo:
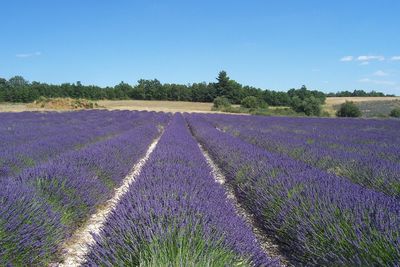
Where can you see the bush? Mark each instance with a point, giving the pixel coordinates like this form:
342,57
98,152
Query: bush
221,102
395,113
277,112
348,109
325,114
249,102
310,106
253,102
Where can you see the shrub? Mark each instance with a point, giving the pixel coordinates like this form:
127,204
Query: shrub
310,106
221,102
249,102
277,112
395,113
325,114
348,109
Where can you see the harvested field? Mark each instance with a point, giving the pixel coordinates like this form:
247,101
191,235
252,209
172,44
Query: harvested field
332,103
154,105
170,106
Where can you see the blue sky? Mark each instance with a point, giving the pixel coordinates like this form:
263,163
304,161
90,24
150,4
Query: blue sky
340,45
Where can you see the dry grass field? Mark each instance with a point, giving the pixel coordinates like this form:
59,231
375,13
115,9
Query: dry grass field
340,100
174,106
18,107
331,102
166,106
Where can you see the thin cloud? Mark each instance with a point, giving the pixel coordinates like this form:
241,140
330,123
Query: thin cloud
370,58
365,60
380,73
347,58
378,82
25,55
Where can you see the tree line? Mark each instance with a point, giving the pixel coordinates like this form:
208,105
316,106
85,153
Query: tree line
360,93
17,89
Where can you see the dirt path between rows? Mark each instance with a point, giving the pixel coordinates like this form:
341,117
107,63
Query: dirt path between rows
77,247
265,242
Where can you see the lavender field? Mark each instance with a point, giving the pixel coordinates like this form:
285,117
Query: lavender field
162,189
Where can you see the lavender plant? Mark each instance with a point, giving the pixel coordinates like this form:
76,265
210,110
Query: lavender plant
317,217
175,214
366,152
45,203
48,135
29,228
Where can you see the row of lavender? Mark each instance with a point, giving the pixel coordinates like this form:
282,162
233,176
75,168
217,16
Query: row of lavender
30,138
175,214
317,217
367,152
41,205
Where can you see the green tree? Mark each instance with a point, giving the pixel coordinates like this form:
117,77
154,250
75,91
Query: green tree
348,109
152,89
3,82
3,87
17,81
304,93
274,98
222,79
178,92
306,101
203,92
223,86
123,90
234,92
310,106
17,89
